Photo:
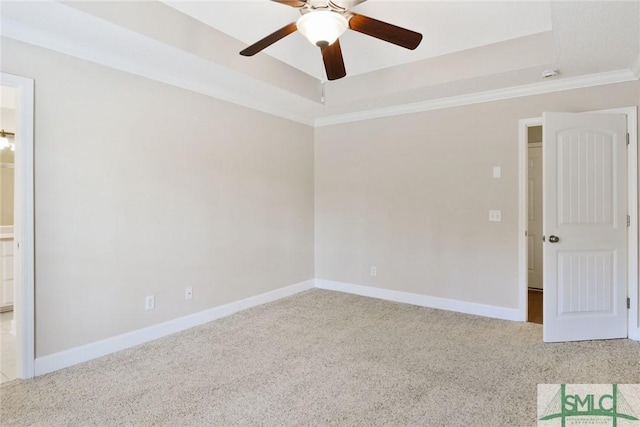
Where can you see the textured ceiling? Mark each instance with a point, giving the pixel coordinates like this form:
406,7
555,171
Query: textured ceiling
470,49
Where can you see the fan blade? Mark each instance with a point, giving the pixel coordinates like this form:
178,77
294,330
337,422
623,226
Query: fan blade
292,3
269,40
333,62
384,31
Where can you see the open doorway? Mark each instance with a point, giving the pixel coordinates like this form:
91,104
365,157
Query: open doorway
19,245
534,224
8,350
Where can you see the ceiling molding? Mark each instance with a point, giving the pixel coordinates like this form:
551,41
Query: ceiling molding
523,53
599,79
117,47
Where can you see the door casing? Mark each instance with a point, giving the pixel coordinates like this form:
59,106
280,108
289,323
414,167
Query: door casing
24,225
633,318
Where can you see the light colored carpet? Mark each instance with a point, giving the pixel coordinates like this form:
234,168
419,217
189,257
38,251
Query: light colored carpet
323,358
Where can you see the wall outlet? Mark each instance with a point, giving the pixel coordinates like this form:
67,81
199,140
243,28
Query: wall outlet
188,292
374,271
497,171
150,302
495,216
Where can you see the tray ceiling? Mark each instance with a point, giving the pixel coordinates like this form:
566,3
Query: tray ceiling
472,51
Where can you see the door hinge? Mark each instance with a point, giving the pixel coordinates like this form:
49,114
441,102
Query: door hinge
628,302
628,220
628,138
543,238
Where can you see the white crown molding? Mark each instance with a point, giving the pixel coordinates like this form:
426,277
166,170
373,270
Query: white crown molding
423,300
167,65
91,351
599,79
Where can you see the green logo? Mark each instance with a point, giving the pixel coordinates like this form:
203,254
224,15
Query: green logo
596,403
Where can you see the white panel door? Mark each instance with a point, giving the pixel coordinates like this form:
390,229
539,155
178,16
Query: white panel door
534,209
585,225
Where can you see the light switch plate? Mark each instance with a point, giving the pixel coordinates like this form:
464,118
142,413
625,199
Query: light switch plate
497,171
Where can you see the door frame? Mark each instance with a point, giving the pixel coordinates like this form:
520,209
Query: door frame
24,225
633,321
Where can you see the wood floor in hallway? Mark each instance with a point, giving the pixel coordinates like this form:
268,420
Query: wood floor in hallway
535,306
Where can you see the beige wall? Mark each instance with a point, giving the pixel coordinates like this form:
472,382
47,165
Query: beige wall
142,188
410,194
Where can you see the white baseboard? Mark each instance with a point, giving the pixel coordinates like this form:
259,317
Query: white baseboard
422,300
87,352
107,346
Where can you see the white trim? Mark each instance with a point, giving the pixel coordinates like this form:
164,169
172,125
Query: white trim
110,345
633,290
559,85
634,283
421,300
24,303
87,352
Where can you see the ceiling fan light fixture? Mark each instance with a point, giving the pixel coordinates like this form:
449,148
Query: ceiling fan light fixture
322,28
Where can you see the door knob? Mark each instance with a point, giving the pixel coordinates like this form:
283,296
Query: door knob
554,239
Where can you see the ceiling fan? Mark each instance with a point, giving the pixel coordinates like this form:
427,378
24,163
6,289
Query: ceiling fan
323,21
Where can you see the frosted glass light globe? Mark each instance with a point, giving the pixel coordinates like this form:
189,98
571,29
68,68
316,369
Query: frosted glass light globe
322,28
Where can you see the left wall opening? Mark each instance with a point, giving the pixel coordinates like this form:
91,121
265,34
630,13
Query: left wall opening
8,340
